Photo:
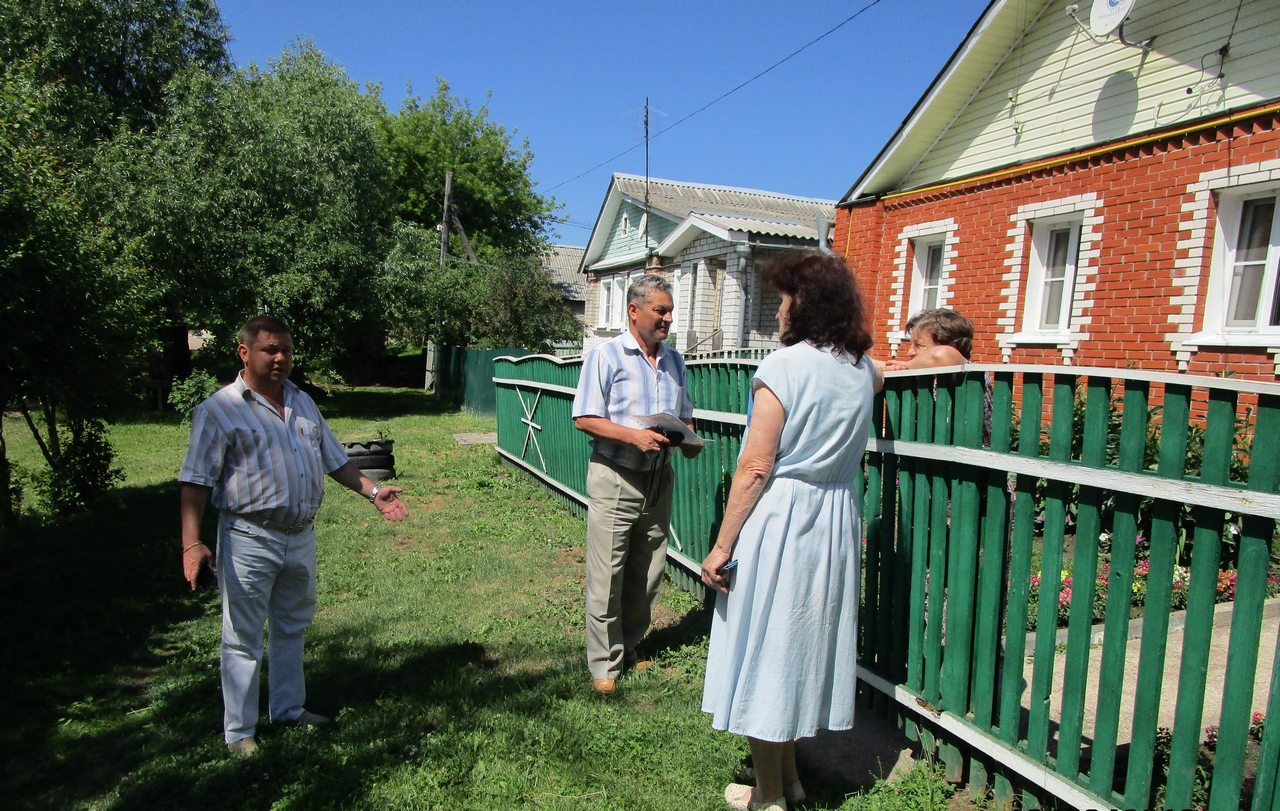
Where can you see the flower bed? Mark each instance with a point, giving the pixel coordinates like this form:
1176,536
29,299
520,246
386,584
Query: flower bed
1225,590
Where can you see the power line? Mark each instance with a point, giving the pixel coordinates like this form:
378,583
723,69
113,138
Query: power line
727,93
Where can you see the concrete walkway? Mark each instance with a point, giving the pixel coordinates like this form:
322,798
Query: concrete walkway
877,749
1215,677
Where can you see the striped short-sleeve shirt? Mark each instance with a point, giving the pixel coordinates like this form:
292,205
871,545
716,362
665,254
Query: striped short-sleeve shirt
618,383
258,463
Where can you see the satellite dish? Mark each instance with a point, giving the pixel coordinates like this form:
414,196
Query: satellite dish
1107,15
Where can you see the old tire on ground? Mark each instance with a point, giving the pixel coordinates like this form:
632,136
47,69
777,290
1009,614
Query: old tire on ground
376,460
373,447
380,474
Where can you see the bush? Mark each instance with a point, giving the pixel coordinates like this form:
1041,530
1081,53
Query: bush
83,472
190,392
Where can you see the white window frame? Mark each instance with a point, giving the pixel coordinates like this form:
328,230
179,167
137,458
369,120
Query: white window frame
1218,302
602,302
612,301
1207,236
1038,269
1020,301
922,249
905,293
618,312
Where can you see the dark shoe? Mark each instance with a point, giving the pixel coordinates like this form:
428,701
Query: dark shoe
604,686
245,747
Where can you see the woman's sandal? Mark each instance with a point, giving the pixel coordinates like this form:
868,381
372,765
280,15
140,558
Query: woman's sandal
793,791
739,796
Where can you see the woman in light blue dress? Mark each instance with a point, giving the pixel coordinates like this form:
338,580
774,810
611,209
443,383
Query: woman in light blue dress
783,652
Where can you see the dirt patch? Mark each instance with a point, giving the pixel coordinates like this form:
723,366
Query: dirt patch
664,617
406,544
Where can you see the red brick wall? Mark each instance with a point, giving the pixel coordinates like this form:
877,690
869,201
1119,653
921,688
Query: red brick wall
1141,189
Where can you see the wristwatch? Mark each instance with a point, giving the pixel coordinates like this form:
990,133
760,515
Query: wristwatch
373,494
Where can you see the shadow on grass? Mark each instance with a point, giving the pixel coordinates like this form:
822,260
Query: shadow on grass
389,701
692,627
85,597
112,696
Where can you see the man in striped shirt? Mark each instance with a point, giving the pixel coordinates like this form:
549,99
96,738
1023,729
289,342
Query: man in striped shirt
260,450
629,477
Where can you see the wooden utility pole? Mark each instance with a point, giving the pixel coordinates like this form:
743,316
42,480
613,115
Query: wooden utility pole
444,215
432,352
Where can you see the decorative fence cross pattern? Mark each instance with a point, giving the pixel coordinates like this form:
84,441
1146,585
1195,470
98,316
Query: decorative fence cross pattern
998,498
531,426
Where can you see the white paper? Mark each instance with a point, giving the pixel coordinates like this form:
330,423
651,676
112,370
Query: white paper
671,423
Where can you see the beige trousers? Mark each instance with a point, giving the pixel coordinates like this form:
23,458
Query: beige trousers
628,518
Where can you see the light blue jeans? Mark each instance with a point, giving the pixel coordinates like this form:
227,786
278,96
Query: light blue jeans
265,576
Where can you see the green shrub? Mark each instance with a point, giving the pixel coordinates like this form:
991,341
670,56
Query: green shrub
83,471
190,392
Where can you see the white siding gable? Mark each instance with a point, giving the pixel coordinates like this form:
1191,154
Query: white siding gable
1056,90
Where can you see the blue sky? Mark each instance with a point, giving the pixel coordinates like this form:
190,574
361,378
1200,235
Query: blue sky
572,78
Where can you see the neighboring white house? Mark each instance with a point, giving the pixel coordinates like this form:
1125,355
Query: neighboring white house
711,242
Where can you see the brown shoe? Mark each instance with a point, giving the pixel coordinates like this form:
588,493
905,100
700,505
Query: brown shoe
635,663
604,686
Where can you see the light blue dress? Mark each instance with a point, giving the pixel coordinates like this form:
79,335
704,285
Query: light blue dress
783,652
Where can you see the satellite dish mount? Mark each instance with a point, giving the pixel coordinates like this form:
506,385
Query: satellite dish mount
1106,16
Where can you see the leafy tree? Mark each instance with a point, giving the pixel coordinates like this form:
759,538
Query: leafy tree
264,191
76,311
69,316
506,302
492,192
502,299
112,57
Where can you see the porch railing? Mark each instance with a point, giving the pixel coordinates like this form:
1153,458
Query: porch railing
998,498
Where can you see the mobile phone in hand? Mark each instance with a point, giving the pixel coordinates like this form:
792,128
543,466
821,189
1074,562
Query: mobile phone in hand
207,577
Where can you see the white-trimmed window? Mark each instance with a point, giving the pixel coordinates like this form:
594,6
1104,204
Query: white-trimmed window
613,301
923,273
1051,276
926,274
1250,261
1232,217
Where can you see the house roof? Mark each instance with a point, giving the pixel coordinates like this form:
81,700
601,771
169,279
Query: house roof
986,46
562,262
706,207
729,227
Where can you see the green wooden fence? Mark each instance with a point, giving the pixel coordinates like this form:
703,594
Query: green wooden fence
997,498
464,377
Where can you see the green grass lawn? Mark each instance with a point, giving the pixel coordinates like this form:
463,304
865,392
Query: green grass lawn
448,647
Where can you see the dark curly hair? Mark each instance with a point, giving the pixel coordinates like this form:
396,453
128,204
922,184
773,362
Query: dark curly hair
826,306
